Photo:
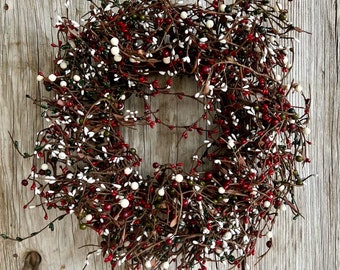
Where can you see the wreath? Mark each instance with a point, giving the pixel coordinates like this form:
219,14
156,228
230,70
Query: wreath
244,172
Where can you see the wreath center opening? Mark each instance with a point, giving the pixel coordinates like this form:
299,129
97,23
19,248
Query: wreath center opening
175,128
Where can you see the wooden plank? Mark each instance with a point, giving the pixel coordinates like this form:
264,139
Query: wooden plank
313,242
27,30
309,243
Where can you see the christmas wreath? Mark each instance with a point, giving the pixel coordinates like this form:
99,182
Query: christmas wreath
253,138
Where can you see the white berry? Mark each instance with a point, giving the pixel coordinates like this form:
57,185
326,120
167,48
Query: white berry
179,178
306,131
167,60
88,217
63,65
209,24
127,170
133,59
148,265
282,188
117,58
134,185
222,7
218,250
115,50
40,78
231,143
76,78
184,15
283,207
62,155
114,41
269,234
285,60
44,167
63,84
227,236
161,192
124,203
298,88
221,190
52,77
165,265
266,204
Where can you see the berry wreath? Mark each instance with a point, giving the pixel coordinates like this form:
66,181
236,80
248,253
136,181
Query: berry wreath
246,169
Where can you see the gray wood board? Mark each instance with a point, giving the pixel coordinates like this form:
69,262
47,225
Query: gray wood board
311,242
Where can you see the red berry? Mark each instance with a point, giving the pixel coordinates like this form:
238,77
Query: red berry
205,70
185,202
189,21
292,126
169,241
199,197
174,184
208,175
155,165
103,244
185,135
165,53
159,22
69,103
269,244
107,207
24,182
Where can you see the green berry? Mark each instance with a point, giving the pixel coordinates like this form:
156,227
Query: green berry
299,158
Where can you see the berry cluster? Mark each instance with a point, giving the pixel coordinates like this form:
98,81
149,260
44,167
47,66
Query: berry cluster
253,137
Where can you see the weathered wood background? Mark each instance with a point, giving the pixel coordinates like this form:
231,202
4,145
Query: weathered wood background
312,242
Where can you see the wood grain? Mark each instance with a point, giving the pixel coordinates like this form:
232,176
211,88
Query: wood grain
309,243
